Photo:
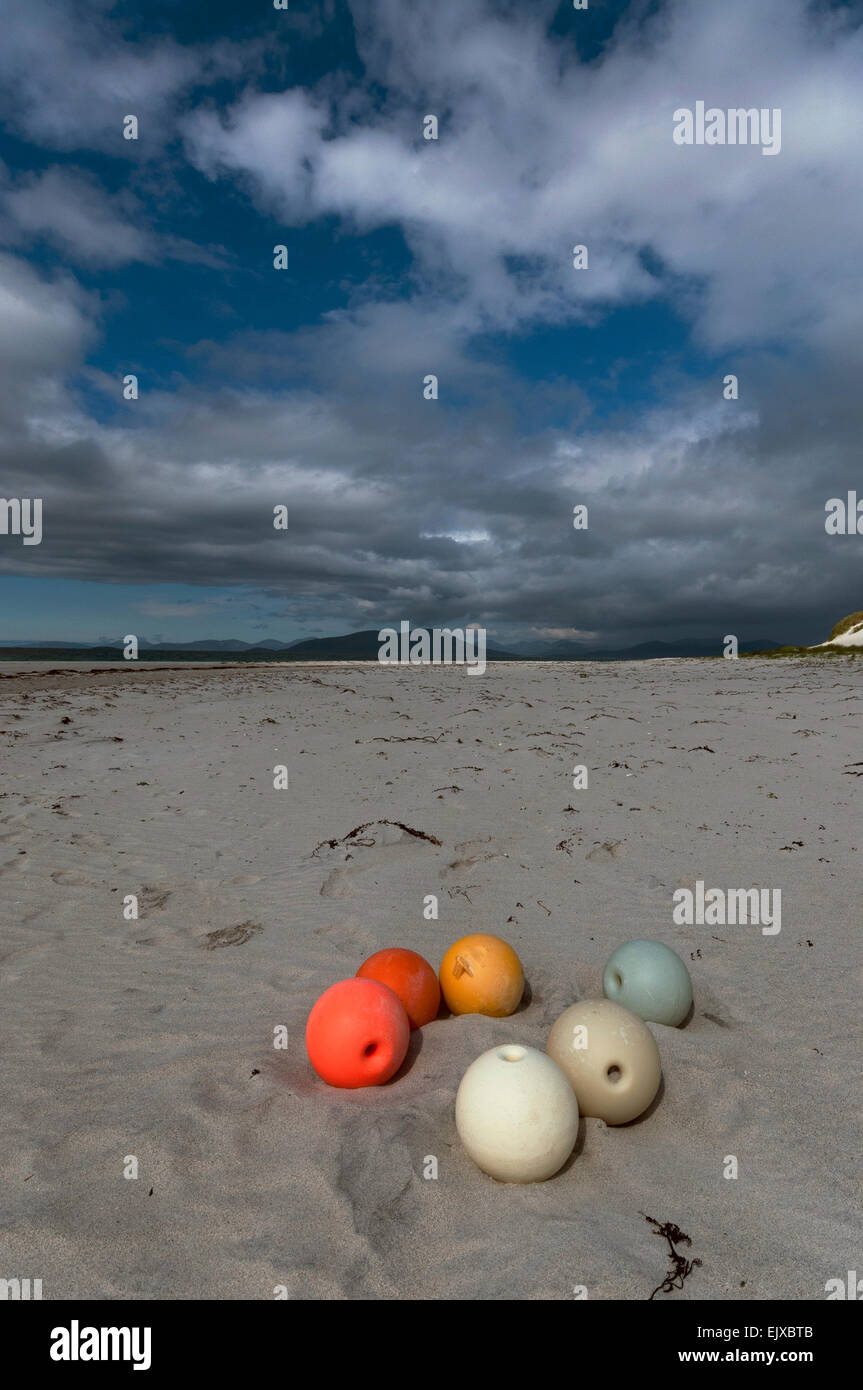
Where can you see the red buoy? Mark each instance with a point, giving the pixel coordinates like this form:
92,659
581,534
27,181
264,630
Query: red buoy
357,1034
410,977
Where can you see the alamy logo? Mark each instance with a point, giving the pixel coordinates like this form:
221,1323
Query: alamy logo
738,906
442,645
22,516
737,126
77,1343
838,1288
844,518
18,1290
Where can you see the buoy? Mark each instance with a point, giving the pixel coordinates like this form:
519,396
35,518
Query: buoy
516,1114
480,974
651,980
410,977
610,1057
357,1034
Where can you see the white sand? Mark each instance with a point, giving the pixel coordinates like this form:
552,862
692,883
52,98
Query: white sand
153,1038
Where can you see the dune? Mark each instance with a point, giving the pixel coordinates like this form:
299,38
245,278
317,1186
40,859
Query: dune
847,633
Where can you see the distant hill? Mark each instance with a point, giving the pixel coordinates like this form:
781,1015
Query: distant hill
70,653
352,646
205,644
364,646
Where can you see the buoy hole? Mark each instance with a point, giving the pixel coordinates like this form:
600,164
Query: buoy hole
618,979
370,1050
614,1073
511,1054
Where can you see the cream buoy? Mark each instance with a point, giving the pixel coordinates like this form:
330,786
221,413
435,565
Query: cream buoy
516,1114
610,1057
651,980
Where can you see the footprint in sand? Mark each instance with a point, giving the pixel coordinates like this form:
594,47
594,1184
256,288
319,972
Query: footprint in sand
12,835
471,852
233,1088
89,841
340,883
612,849
17,865
347,939
153,899
70,878
231,936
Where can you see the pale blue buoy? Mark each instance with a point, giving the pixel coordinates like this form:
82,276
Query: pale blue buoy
651,980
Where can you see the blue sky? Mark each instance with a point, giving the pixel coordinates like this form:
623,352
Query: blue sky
410,257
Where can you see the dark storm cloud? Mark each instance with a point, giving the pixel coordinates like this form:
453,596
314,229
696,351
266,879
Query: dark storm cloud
703,513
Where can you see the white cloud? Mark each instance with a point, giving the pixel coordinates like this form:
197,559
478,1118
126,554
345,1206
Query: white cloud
536,155
71,209
260,132
68,77
45,326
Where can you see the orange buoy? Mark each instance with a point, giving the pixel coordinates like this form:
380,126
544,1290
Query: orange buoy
357,1034
481,974
410,977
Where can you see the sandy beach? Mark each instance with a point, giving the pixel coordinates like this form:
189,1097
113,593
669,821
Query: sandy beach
153,1038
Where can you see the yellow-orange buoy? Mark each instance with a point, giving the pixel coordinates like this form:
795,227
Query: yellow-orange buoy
480,974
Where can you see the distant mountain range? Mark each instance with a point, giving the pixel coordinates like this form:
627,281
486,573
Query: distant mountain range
353,646
206,644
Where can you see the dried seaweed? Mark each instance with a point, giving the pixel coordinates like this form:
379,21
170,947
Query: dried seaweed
681,1268
411,738
358,830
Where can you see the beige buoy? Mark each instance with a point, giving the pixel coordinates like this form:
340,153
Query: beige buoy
610,1057
516,1114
